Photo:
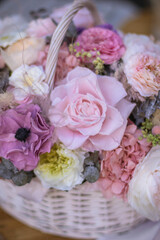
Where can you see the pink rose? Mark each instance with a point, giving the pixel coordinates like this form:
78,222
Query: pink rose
89,111
41,28
107,42
82,19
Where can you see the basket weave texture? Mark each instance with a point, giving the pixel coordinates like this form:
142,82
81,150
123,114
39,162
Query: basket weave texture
75,213
71,214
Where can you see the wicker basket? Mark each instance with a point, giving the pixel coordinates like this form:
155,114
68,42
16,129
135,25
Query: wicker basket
75,213
71,214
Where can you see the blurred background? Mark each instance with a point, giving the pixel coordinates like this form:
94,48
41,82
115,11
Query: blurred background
139,16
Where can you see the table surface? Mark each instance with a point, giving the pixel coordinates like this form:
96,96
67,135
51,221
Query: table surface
11,229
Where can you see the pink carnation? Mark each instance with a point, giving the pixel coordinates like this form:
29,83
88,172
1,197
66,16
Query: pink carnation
143,73
24,135
107,42
66,61
41,28
89,111
117,166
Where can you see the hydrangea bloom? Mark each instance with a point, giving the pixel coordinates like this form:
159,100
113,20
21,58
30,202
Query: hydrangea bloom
65,59
24,135
117,166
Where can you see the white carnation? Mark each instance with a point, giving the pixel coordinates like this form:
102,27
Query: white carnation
144,188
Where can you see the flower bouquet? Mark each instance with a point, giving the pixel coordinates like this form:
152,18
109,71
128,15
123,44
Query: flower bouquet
81,107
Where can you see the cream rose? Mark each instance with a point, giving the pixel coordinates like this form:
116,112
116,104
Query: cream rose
144,188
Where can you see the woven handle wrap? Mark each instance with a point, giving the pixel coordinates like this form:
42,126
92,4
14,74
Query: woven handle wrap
59,35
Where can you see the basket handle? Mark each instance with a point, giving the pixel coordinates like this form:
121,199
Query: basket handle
59,35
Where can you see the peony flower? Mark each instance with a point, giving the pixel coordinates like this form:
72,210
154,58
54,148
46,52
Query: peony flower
107,42
82,19
143,73
24,51
89,111
24,135
144,188
28,80
41,28
12,29
117,166
61,168
66,61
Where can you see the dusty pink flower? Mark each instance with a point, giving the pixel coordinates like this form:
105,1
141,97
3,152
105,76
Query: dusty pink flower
41,28
82,19
24,135
107,42
143,73
89,111
66,61
117,166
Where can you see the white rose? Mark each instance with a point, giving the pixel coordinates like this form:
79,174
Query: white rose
144,188
61,168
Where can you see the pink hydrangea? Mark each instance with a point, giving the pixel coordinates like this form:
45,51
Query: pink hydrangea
89,111
66,61
117,166
24,135
41,28
107,42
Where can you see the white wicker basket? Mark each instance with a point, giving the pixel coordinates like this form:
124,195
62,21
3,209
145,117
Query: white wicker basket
71,214
75,213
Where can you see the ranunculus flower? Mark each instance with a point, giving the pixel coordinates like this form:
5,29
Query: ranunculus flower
82,19
61,168
28,81
117,166
143,73
12,29
24,135
89,111
107,42
41,28
144,188
24,51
